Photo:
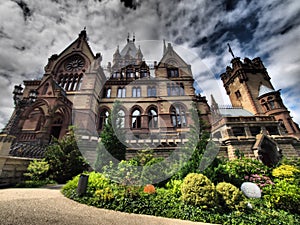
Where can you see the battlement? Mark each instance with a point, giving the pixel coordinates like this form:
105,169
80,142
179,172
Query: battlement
240,67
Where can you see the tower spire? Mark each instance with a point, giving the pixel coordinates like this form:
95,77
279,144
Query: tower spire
230,50
165,49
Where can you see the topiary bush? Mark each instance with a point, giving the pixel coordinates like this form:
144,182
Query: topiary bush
198,190
230,196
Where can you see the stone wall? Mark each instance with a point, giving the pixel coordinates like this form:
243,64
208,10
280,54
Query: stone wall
11,168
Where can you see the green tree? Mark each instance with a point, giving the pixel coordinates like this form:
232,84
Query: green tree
112,139
65,159
197,141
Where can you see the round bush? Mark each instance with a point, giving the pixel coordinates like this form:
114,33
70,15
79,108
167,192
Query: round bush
198,190
230,196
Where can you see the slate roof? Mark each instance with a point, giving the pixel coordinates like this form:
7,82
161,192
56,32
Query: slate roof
234,112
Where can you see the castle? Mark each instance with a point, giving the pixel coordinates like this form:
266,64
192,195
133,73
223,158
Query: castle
155,101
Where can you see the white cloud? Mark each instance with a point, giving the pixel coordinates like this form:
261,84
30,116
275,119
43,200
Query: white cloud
253,29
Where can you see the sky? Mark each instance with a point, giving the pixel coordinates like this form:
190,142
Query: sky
32,30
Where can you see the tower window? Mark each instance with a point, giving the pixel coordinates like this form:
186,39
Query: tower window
238,94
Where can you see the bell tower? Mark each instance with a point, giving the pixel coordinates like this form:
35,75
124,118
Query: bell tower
248,86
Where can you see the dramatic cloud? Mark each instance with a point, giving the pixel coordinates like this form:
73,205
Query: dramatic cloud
32,30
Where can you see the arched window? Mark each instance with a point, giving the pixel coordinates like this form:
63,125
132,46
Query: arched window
178,116
69,83
136,119
74,83
103,118
45,89
152,118
79,83
120,122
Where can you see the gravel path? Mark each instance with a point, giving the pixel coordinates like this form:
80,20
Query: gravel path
45,206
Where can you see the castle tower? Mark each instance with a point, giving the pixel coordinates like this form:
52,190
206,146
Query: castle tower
248,86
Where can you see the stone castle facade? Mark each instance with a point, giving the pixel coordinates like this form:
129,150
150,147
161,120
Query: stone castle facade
155,101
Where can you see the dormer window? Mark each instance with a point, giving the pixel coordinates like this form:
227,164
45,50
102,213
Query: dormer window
173,72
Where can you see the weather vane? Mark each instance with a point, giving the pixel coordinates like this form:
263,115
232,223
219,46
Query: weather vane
230,50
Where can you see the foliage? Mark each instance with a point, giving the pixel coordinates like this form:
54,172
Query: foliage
37,170
112,137
164,203
235,171
174,186
287,172
197,141
198,190
283,195
64,158
230,196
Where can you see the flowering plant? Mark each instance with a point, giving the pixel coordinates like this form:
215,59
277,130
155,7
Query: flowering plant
260,180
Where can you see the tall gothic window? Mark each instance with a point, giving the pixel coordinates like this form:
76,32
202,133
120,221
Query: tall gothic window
136,119
103,119
178,116
120,122
152,118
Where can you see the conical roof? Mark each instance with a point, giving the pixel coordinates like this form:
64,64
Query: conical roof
264,90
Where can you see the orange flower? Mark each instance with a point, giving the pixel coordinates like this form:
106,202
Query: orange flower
149,188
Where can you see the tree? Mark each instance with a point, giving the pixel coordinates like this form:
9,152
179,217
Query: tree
197,141
112,139
65,159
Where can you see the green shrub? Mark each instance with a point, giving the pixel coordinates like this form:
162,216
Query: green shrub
286,172
235,171
65,159
230,196
283,195
174,186
164,203
198,190
37,170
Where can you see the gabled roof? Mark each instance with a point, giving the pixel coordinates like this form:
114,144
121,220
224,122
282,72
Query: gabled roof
130,49
264,90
